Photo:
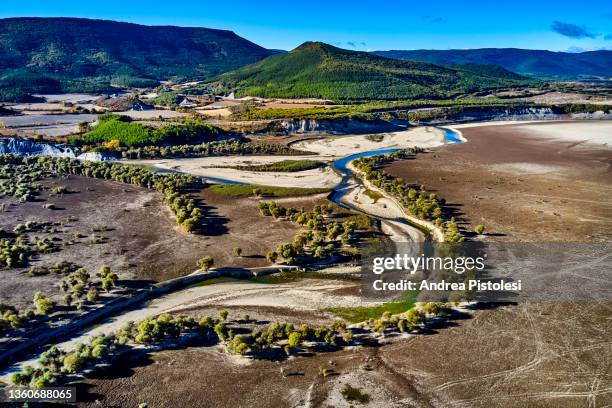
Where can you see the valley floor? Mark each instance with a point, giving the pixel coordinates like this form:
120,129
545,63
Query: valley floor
523,187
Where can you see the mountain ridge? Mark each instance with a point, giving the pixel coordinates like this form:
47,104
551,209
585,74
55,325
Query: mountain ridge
39,55
316,69
537,63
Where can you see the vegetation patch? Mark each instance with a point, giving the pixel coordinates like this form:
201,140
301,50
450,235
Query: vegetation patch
323,237
213,148
413,198
374,195
116,131
289,166
362,313
318,70
57,366
352,394
245,190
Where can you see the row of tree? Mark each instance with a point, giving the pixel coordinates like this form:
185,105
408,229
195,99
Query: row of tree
56,365
213,148
423,205
175,187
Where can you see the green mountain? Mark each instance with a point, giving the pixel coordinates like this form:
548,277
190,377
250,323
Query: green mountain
536,63
73,54
319,70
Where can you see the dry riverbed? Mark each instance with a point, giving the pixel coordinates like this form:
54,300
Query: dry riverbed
327,149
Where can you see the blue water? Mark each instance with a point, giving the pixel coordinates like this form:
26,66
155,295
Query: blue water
221,180
450,136
341,164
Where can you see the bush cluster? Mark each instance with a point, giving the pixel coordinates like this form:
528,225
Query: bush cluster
423,205
55,364
320,238
212,148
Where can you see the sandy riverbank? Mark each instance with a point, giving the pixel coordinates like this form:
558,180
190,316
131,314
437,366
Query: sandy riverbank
341,146
214,167
328,149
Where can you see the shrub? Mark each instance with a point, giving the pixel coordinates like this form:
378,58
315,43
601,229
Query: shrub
43,304
272,256
352,394
205,263
72,363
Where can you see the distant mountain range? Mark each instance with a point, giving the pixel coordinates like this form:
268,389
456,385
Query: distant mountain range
64,54
535,63
319,70
52,55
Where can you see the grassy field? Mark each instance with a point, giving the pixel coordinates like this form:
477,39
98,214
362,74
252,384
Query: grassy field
115,131
374,195
289,166
362,313
367,110
245,190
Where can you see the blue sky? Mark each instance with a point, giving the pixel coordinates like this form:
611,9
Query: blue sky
372,25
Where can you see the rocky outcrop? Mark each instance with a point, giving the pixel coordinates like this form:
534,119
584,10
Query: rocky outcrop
478,114
340,126
25,147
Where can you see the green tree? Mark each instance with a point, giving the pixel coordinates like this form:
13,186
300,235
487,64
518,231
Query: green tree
294,340
43,304
237,251
72,363
272,256
479,229
92,294
206,263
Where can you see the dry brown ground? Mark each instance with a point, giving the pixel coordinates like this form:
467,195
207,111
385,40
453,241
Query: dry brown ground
185,376
527,355
141,238
525,188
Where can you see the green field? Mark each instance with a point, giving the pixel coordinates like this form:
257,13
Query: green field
126,133
362,313
245,190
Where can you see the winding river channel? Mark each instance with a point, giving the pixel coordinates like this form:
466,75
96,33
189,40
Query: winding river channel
348,193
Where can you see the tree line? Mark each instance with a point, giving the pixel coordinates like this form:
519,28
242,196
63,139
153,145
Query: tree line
175,187
423,205
57,366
